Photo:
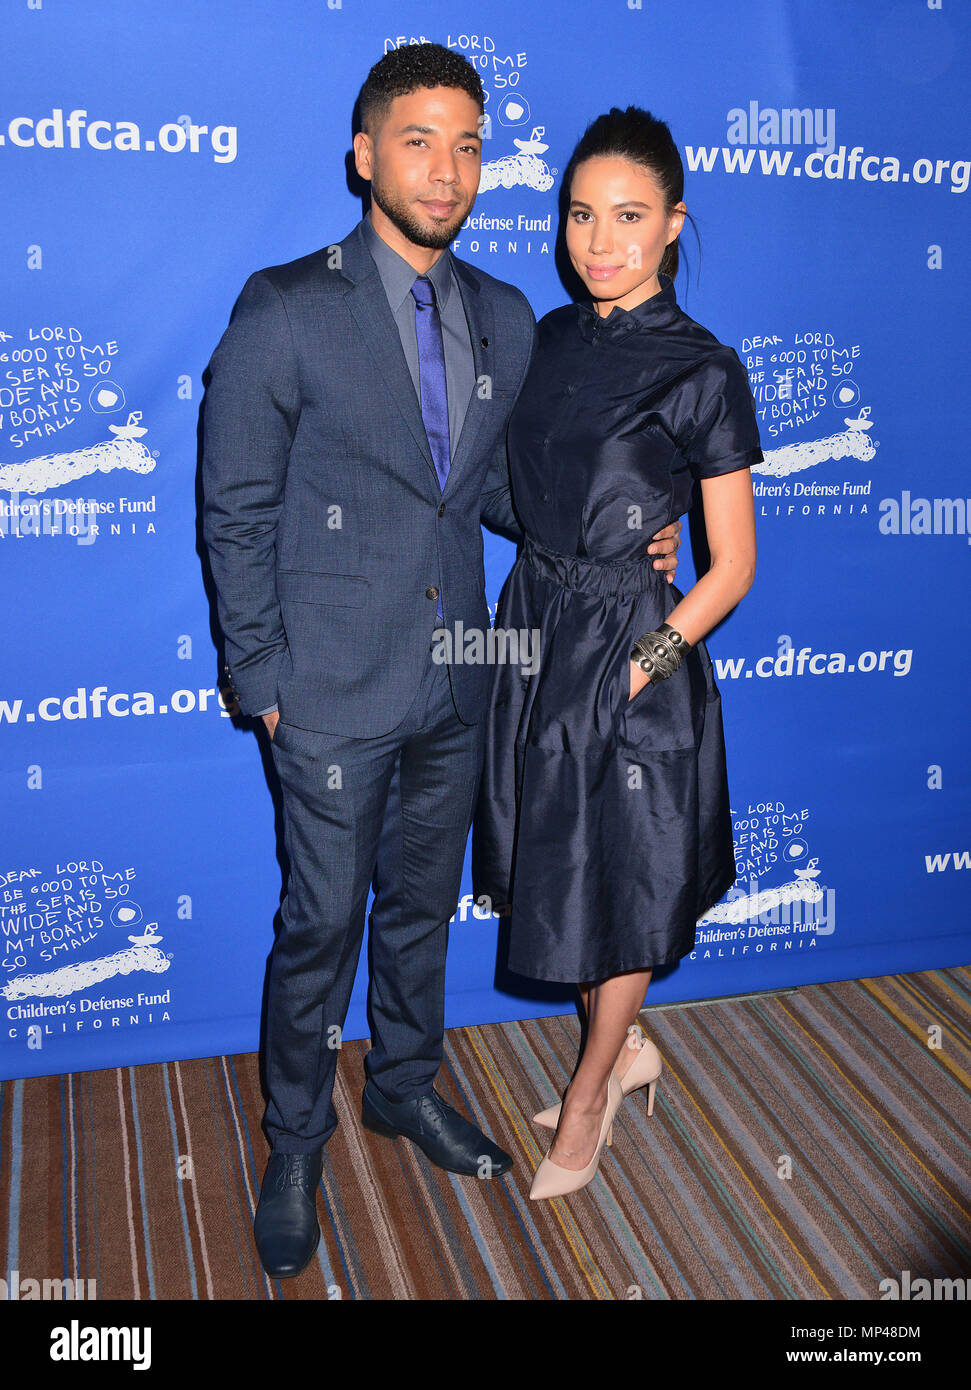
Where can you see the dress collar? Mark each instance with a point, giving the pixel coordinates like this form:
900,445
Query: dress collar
650,314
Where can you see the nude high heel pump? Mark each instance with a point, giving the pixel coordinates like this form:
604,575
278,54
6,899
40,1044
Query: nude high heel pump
643,1071
553,1181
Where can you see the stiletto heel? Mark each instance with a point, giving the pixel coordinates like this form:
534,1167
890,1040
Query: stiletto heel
553,1181
644,1071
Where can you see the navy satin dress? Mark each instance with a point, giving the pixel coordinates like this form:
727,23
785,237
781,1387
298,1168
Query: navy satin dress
603,824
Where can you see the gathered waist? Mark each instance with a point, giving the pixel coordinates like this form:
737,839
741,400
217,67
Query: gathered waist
592,576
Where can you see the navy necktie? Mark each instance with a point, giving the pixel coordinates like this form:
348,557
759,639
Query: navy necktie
431,379
431,374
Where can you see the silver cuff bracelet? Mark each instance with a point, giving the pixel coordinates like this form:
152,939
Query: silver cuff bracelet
660,653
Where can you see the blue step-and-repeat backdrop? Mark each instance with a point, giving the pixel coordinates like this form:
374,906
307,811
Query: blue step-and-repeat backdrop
154,154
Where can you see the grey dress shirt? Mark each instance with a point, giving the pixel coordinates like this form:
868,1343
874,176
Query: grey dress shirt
397,277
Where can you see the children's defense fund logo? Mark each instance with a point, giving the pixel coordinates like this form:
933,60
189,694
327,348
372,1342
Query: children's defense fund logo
66,930
65,417
777,903
815,425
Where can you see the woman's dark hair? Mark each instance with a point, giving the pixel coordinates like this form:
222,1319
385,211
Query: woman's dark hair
636,135
406,69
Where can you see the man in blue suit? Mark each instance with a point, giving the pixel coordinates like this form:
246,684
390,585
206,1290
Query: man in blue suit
354,428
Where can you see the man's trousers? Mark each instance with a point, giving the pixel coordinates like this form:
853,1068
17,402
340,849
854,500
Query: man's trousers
395,809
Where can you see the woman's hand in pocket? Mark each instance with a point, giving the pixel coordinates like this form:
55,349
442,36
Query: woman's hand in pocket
638,680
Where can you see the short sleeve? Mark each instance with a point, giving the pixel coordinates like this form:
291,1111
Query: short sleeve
726,435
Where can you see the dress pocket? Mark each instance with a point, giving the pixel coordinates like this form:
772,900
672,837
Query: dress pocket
659,716
639,697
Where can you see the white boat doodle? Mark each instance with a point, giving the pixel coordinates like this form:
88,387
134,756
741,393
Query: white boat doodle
525,169
853,442
68,979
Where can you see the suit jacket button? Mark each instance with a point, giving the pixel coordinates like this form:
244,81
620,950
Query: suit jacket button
441,510
431,593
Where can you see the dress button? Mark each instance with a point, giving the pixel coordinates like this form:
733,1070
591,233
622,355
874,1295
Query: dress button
570,390
431,593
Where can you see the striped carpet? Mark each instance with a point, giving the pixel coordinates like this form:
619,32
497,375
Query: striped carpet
803,1146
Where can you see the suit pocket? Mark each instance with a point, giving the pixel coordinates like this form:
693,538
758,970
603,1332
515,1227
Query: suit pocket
288,738
309,586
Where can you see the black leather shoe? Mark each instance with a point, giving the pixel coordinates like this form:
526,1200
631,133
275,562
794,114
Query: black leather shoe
286,1227
443,1135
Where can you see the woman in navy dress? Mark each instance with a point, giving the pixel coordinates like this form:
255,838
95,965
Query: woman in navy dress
603,821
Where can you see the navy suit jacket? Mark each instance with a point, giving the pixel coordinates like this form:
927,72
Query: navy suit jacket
323,516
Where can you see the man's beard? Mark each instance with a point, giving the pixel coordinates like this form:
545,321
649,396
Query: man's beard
399,213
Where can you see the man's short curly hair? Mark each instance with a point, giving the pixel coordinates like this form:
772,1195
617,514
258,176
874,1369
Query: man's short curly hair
406,69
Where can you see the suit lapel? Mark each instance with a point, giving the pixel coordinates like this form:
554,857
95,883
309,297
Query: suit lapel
479,316
368,304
